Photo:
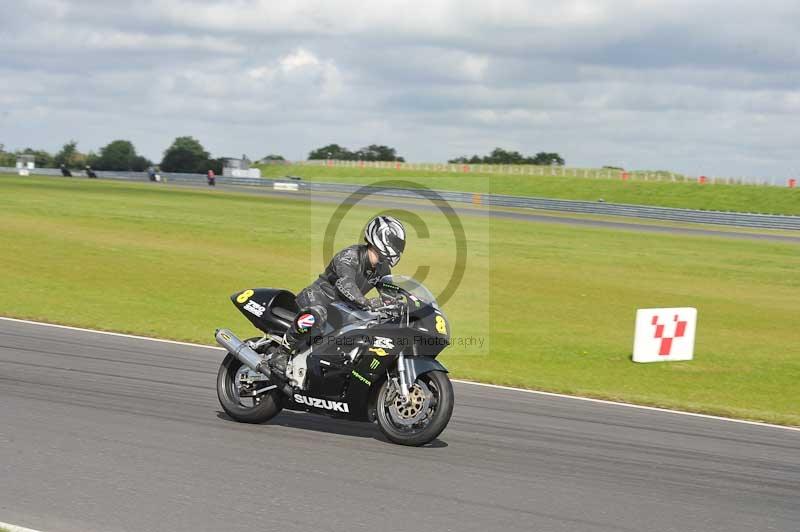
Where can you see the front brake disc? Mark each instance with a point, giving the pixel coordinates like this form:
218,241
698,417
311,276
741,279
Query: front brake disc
415,410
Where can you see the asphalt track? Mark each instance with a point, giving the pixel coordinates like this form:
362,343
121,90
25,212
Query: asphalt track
108,433
512,214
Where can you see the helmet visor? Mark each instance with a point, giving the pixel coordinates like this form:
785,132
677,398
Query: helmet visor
394,247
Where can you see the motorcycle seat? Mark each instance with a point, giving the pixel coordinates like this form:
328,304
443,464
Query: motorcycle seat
283,313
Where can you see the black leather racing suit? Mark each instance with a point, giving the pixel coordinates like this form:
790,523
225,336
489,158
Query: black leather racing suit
348,277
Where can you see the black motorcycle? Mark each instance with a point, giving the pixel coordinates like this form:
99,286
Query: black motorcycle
360,365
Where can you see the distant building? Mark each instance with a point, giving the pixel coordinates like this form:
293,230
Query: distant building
233,167
25,163
232,163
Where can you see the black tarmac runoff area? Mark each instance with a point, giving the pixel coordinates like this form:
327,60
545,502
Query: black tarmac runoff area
103,433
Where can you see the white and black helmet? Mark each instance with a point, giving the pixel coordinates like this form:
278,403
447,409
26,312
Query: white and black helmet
388,236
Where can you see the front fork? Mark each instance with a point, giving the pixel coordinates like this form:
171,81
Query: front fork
402,378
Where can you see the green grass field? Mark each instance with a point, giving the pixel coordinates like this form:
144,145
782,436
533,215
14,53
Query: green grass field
742,198
556,304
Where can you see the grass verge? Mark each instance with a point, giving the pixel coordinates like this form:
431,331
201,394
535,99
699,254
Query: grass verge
740,198
555,303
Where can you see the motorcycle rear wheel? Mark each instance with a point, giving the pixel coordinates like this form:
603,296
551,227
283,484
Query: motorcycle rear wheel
268,405
433,420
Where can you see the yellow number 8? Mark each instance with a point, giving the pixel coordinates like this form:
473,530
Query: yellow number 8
244,296
441,326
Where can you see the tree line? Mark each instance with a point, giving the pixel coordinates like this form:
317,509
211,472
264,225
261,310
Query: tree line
117,155
373,152
501,156
187,154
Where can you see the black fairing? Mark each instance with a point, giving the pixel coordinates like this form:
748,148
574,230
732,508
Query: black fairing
354,351
276,306
431,331
331,374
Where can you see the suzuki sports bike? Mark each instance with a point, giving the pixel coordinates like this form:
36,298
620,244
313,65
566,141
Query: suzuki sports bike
377,365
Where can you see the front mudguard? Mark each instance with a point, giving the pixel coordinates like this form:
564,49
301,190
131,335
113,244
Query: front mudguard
416,366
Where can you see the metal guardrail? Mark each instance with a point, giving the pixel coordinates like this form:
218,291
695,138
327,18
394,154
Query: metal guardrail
737,219
768,221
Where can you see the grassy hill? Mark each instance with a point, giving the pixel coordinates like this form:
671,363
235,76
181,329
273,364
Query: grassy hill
690,195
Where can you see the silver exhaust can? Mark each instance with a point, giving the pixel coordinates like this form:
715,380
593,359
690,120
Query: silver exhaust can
243,352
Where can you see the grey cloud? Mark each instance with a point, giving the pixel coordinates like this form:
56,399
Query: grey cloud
683,85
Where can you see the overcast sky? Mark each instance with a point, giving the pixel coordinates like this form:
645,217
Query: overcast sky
703,87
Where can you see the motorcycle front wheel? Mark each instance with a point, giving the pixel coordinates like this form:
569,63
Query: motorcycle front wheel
423,417
257,409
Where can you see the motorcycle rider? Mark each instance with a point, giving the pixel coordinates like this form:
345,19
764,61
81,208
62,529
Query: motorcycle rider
351,273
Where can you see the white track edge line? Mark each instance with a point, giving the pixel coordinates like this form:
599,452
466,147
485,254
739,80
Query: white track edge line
496,386
95,331
15,528
631,405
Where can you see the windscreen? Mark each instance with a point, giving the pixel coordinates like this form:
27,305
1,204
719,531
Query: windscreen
407,284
